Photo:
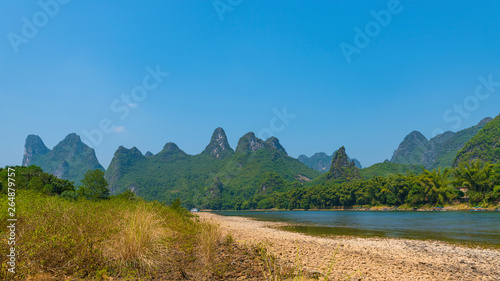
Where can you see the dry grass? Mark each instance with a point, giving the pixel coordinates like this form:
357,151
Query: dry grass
130,240
140,243
120,239
210,237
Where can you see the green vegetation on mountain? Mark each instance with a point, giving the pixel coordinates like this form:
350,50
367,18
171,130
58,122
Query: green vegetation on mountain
436,152
342,170
321,161
431,188
199,179
388,168
484,146
168,175
69,159
343,186
383,184
259,174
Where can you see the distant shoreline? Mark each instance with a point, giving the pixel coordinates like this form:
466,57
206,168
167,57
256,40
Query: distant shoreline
375,258
319,229
377,208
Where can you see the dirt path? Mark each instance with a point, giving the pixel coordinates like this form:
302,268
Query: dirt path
375,258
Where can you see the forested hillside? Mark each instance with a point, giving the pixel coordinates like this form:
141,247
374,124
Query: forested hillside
485,145
69,159
436,152
260,174
202,180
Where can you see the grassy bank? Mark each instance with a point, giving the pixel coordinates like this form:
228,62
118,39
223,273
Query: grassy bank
129,239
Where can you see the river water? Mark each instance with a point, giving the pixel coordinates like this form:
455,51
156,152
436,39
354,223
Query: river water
471,228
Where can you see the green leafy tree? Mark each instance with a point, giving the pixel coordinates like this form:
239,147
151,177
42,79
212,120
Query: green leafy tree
474,176
35,183
94,186
437,186
265,203
479,178
34,178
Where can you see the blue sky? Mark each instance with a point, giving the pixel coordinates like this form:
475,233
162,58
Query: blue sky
236,65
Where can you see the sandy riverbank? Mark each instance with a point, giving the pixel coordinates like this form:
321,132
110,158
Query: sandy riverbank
376,258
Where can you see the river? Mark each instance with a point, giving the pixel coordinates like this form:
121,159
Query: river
471,228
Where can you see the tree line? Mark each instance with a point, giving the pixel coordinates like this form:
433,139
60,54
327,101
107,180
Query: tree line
431,187
94,186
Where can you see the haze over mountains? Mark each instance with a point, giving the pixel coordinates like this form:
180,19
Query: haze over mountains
69,159
440,151
321,162
254,166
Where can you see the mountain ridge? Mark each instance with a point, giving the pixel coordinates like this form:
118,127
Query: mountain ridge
218,145
69,159
438,151
341,168
320,161
172,173
484,146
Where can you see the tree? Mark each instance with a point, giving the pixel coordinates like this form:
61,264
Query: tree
94,186
437,186
265,203
35,183
474,176
478,178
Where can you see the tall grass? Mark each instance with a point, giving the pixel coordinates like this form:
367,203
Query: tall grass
209,240
140,241
58,236
119,238
130,240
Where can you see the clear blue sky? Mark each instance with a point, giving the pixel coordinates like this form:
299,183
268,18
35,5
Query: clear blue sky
232,73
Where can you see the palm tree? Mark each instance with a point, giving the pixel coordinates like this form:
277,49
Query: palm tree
437,186
478,178
474,176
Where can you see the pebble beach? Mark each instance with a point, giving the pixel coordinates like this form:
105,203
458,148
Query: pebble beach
363,258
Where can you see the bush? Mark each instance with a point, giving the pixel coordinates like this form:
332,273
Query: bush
70,195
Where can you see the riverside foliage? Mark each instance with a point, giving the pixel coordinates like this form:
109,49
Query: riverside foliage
431,187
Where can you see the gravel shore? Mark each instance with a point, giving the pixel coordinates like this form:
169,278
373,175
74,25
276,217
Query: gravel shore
375,258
